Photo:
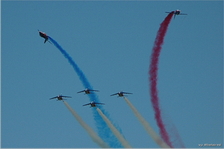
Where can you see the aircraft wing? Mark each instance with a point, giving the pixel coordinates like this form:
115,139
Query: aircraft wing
81,91
114,94
182,14
94,90
67,96
54,97
86,104
127,93
99,103
169,12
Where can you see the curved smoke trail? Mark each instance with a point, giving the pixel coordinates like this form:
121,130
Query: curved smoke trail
166,136
89,130
153,77
103,130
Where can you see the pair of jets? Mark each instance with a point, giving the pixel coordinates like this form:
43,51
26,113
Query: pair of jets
88,91
45,36
93,104
61,97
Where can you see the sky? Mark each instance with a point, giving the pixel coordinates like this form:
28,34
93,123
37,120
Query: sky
111,42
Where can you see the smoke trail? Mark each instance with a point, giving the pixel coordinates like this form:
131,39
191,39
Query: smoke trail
114,130
89,130
147,126
153,77
103,130
173,132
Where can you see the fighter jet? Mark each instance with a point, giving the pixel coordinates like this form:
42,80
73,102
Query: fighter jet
60,97
93,104
120,94
177,12
88,91
44,35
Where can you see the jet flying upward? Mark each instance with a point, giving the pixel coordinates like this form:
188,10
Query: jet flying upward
88,91
93,104
44,35
60,97
120,94
177,12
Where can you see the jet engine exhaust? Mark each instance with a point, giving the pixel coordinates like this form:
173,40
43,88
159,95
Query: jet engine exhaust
147,126
89,130
153,70
114,130
153,73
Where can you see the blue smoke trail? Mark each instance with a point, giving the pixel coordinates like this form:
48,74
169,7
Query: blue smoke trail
103,130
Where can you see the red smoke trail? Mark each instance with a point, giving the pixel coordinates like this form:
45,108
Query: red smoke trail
153,77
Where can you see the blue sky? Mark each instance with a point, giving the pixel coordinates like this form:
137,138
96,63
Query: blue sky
112,43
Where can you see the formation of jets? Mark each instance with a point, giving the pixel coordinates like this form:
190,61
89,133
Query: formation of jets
177,12
89,91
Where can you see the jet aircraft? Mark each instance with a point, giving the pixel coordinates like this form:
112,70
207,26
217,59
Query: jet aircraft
44,35
120,94
177,12
93,104
60,97
88,91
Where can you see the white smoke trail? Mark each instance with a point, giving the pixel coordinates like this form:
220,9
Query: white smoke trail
91,133
147,127
114,130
